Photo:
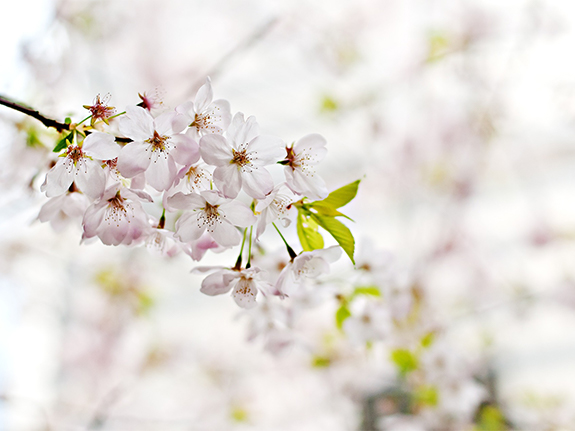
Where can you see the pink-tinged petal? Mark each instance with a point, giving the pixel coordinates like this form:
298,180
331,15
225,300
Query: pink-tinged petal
187,108
238,214
215,150
51,208
134,159
101,146
91,179
257,183
137,195
242,132
161,172
180,122
214,284
221,108
213,197
186,202
225,234
228,180
136,124
75,204
266,150
186,151
306,184
201,246
204,96
138,182
188,227
163,123
312,142
245,293
93,218
59,178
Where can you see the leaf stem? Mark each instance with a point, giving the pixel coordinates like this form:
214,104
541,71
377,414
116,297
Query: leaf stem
250,248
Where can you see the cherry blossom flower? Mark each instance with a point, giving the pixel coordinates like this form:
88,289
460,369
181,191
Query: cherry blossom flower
100,109
202,115
309,264
117,217
299,166
78,165
155,148
61,210
244,284
276,205
371,322
163,242
240,159
208,211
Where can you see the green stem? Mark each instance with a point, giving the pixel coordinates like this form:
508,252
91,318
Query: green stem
117,115
292,254
238,264
250,249
89,116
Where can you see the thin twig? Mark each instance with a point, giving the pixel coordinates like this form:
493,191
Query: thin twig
48,122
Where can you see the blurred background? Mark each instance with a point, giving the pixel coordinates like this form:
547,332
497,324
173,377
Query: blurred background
459,117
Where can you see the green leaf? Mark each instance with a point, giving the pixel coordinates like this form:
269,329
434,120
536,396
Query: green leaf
427,395
341,315
309,237
320,362
339,197
405,361
367,290
339,231
427,339
328,211
68,120
61,144
491,419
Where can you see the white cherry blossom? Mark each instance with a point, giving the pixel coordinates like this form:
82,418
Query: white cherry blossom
63,209
240,158
117,217
202,115
309,264
155,148
208,211
276,205
244,284
78,164
300,162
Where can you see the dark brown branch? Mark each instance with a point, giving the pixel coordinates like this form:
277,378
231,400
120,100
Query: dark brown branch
48,122
33,113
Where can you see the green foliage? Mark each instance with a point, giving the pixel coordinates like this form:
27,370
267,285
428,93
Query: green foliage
63,143
329,104
320,362
490,419
405,361
428,340
309,237
367,290
339,231
323,213
426,395
339,197
341,315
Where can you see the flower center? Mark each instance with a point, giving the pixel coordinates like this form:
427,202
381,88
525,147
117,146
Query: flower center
241,157
209,216
74,153
117,211
158,142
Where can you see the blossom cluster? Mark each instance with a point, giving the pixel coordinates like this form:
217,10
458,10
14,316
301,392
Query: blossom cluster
211,174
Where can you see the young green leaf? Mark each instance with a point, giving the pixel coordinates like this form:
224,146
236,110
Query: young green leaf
62,143
339,231
309,237
405,361
367,290
339,197
341,315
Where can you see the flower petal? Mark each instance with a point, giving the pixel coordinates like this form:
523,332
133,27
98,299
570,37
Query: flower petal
257,183
215,150
101,146
133,159
137,124
228,180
